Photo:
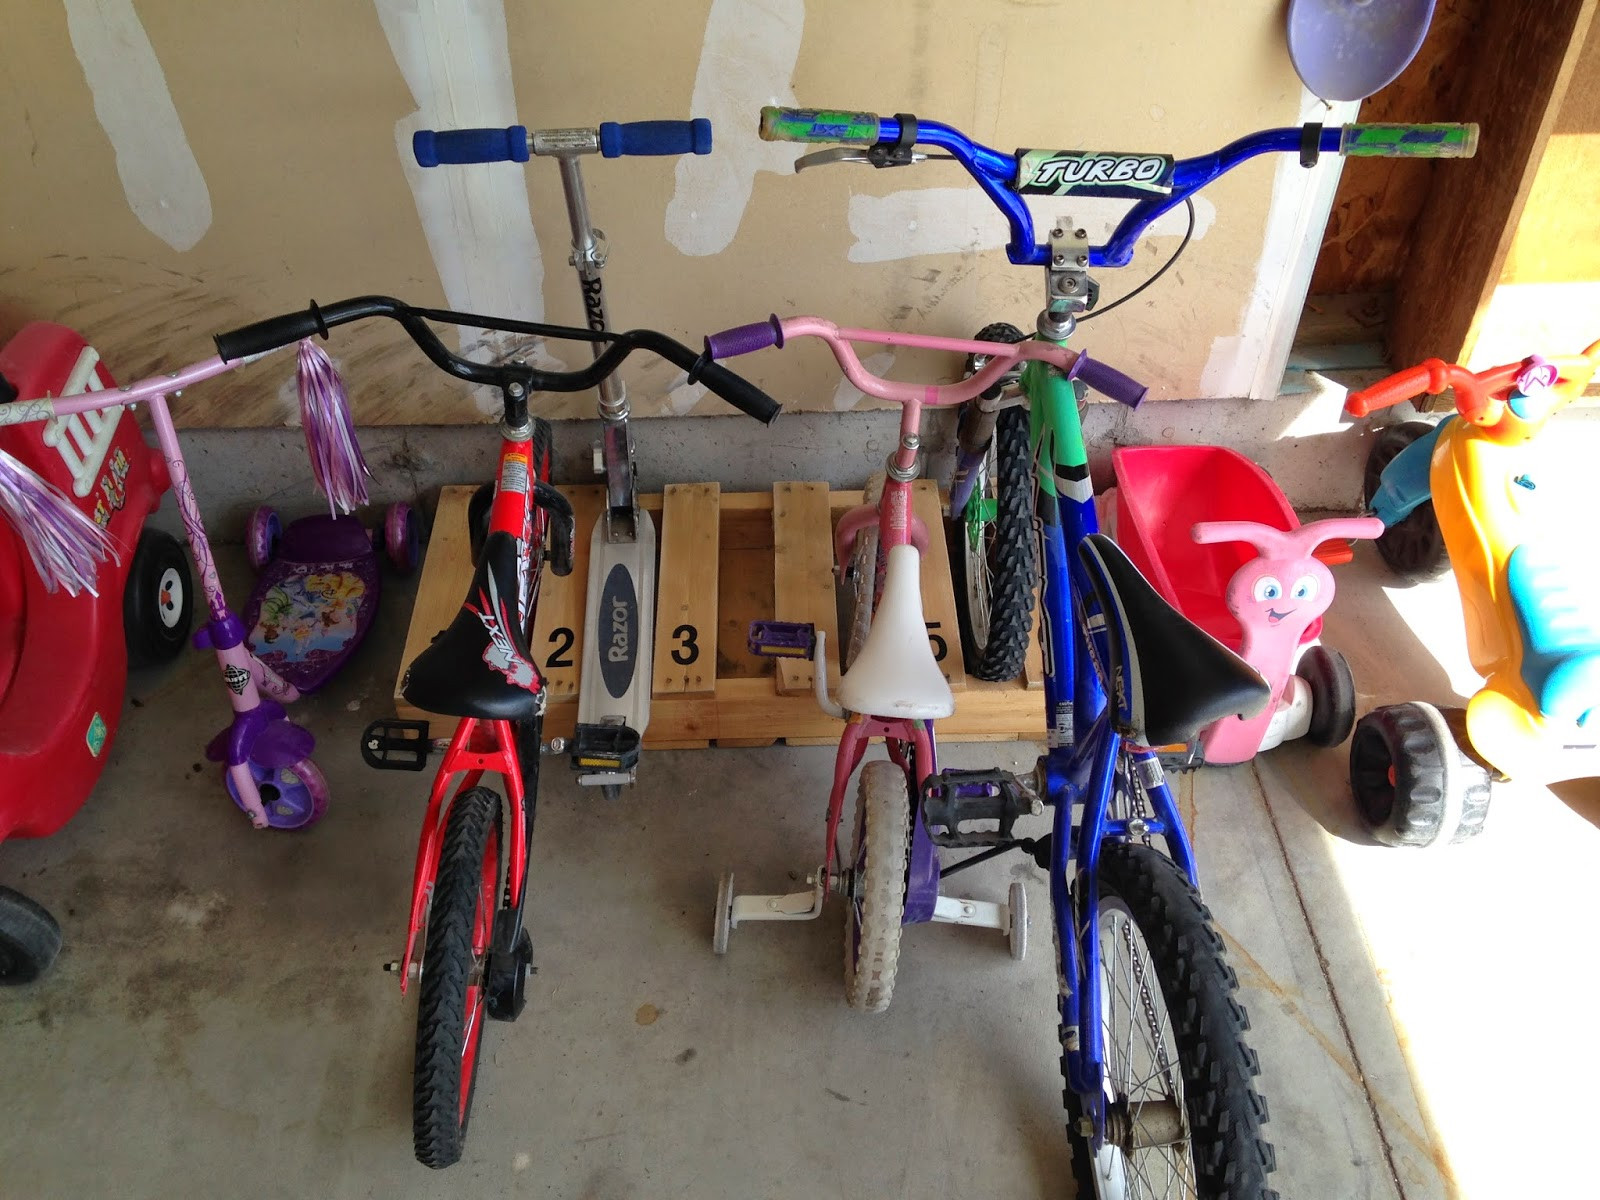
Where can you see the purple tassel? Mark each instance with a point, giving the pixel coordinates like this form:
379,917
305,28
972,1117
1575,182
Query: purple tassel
336,462
65,545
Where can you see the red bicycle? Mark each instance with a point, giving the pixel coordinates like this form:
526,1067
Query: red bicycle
466,943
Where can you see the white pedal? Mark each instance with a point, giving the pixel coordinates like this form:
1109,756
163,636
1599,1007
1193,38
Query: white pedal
619,630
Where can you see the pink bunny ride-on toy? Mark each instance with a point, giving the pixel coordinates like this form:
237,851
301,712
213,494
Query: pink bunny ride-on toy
1275,597
1266,606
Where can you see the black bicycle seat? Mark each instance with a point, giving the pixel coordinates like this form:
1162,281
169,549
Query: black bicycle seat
480,666
1168,678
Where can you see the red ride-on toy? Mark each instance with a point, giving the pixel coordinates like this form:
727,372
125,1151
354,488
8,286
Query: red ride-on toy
64,659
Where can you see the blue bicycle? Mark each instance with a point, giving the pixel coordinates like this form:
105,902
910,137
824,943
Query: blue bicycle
1159,1092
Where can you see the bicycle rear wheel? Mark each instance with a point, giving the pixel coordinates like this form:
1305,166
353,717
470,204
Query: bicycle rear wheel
1183,1116
992,553
453,1005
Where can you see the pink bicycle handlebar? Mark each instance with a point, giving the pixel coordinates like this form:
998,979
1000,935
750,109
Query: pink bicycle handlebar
745,339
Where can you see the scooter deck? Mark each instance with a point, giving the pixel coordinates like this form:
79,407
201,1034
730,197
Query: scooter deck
619,628
314,602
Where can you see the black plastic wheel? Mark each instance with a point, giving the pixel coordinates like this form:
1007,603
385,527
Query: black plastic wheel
30,939
1413,547
1156,931
1412,783
994,562
1333,695
158,601
453,1006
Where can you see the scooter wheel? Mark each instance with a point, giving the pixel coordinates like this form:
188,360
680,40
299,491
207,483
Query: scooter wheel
402,537
261,534
1413,785
295,797
723,923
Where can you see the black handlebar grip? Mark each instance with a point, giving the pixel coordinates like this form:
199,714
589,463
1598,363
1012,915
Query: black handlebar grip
739,392
274,332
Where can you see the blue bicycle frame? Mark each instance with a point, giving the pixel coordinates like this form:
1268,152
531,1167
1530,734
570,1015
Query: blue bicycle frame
1084,760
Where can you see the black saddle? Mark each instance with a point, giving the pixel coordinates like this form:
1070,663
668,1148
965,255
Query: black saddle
480,666
1167,678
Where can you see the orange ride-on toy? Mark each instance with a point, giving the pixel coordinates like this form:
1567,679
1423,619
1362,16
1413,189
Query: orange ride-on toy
1470,488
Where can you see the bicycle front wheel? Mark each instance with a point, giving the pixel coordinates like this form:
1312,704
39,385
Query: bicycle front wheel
453,1005
1183,1116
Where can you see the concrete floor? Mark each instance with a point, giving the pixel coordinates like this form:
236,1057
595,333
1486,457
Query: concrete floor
218,1023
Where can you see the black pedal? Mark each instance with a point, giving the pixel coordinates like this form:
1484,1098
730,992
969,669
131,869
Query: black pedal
1178,759
396,745
954,800
605,748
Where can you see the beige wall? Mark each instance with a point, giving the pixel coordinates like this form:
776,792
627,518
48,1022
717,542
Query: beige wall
290,111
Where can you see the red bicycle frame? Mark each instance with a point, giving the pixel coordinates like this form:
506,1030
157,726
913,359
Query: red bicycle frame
480,746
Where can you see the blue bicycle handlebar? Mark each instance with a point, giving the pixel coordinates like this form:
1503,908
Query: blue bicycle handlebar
1155,182
655,137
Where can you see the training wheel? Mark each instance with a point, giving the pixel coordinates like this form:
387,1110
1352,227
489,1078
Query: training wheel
1017,923
724,917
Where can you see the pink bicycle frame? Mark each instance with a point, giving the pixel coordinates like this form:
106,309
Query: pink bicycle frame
897,526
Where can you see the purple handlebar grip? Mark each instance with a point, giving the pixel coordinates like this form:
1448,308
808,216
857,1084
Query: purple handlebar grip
744,339
1108,381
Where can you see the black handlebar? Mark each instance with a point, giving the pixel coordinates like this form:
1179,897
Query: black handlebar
275,332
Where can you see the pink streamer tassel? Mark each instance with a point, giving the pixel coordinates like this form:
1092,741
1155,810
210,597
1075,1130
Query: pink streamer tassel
65,545
336,460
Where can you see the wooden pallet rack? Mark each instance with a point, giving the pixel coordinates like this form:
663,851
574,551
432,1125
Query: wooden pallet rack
726,559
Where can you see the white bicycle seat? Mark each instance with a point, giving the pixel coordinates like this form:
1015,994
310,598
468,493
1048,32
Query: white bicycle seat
895,674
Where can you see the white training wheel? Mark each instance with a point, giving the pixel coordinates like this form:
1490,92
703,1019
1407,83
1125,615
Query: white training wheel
724,917
1017,922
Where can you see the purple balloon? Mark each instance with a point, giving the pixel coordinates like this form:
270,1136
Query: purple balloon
1348,49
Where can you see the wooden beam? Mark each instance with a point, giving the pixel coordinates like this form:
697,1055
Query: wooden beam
1521,62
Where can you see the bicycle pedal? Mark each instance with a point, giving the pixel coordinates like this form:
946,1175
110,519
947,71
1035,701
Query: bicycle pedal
612,749
955,800
782,639
396,745
1178,759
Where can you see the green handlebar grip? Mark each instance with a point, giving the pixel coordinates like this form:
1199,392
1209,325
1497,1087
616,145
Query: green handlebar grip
1409,141
817,125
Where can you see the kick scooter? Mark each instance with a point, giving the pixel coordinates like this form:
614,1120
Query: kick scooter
619,620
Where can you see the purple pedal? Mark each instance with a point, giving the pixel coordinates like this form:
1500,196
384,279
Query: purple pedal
782,639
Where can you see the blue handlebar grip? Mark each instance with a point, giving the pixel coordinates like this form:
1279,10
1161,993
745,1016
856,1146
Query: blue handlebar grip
432,148
655,137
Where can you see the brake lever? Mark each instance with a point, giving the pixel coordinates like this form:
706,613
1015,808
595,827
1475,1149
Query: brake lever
835,154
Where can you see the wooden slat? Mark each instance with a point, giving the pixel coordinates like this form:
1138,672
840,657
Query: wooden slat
802,575
446,571
686,603
557,642
1523,56
938,589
